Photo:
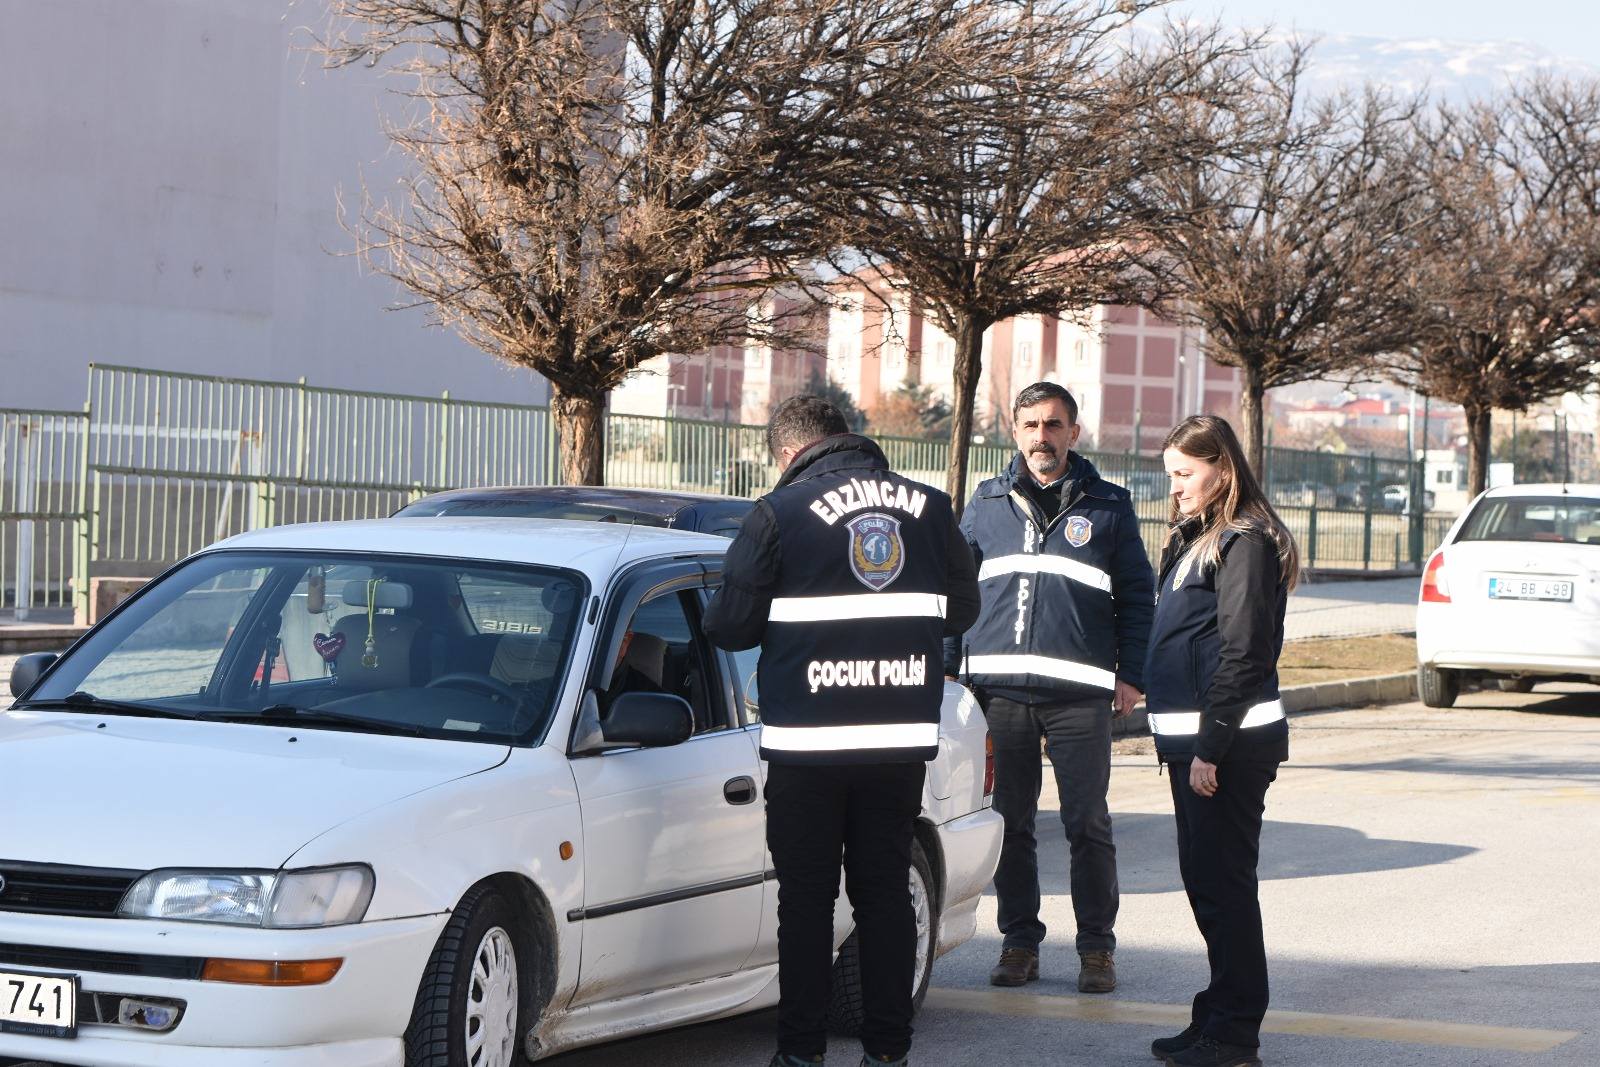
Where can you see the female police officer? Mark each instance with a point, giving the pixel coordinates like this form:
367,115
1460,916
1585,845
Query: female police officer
1212,695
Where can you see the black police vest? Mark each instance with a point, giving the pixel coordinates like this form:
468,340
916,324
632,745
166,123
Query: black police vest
1185,648
851,666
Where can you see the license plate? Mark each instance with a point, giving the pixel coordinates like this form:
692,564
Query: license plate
44,1005
1508,587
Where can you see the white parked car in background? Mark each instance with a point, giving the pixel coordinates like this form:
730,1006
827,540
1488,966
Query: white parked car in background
1513,594
427,793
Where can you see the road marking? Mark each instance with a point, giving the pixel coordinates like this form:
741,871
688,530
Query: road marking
1300,1023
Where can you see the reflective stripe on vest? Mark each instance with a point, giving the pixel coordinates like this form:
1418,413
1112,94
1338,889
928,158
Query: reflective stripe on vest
1032,563
849,738
857,606
1044,666
1183,723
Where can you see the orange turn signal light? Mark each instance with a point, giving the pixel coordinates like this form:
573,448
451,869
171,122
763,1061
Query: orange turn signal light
271,972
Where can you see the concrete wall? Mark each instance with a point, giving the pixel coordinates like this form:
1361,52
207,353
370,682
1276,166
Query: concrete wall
168,179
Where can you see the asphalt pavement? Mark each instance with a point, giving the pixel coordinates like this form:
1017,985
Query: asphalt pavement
1428,884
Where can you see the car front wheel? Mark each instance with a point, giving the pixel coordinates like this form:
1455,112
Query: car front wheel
1437,687
847,1007
474,1003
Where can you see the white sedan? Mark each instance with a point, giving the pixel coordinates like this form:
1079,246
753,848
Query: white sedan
1513,594
437,794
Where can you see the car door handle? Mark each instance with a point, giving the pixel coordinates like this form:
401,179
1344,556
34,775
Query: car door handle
740,790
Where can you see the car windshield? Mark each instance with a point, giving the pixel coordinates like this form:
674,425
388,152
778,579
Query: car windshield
1560,519
531,507
398,644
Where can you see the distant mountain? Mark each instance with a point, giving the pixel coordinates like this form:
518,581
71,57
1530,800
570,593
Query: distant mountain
1450,69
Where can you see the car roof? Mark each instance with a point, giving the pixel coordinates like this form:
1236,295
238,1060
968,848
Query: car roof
1582,489
664,503
596,549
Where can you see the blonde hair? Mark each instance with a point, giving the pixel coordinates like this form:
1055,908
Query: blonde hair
1235,502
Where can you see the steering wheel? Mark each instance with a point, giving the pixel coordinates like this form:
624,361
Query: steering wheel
487,685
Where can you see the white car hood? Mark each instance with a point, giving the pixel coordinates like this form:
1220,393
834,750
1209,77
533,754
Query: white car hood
139,793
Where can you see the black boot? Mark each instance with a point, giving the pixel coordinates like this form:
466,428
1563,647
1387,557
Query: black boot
1209,1052
782,1060
1162,1047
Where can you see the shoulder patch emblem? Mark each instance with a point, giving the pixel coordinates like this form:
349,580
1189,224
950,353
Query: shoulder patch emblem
1079,530
1183,571
877,554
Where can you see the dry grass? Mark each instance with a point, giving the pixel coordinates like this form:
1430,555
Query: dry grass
1331,659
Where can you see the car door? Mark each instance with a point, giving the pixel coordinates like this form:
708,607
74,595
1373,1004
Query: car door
674,837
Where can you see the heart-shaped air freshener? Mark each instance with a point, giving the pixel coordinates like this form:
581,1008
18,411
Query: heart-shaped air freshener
328,646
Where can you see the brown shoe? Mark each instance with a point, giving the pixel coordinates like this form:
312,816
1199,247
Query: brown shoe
1098,974
1017,966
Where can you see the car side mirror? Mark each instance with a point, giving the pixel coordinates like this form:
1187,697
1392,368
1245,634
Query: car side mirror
28,669
654,720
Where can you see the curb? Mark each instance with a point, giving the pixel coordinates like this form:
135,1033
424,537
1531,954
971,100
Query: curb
1300,699
42,637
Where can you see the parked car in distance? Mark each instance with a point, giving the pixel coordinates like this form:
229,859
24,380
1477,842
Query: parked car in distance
1398,497
432,793
700,512
1353,495
1513,593
1304,495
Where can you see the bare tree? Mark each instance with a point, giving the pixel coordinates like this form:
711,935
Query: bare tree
1016,187
601,181
1285,251
1504,291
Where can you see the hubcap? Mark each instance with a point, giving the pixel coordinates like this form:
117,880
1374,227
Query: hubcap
922,907
492,1002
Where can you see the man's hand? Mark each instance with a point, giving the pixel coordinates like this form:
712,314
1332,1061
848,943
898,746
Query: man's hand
1123,698
1203,777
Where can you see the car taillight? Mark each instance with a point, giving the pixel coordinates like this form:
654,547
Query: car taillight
1435,587
988,765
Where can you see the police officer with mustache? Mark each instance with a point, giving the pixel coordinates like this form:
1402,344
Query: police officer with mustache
1058,648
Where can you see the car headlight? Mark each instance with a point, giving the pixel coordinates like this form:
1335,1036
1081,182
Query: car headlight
323,896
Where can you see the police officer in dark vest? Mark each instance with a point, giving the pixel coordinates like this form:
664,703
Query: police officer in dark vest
1058,649
849,577
1212,695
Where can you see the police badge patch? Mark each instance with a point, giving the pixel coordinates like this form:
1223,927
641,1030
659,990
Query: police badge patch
1079,530
877,555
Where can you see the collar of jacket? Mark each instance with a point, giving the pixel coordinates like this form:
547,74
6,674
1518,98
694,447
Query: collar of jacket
842,451
1081,478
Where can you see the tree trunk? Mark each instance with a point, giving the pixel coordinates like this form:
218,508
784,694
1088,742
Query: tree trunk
968,365
580,427
1252,427
1479,419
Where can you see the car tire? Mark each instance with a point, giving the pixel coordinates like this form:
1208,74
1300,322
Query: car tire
1515,685
1437,687
847,1006
476,987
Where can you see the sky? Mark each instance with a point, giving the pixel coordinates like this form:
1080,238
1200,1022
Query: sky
1567,28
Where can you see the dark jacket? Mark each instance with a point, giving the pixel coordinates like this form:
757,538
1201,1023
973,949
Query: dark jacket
1214,647
1066,601
849,576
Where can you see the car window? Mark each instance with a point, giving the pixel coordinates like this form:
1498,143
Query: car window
662,651
745,663
433,647
1569,520
532,508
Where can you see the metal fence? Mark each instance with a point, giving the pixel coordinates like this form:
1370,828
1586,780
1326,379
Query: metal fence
160,464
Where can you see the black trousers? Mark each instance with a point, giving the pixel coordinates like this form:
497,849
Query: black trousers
1219,842
862,814
1078,738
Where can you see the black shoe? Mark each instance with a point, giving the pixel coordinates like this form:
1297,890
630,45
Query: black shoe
873,1061
782,1060
1209,1052
1162,1047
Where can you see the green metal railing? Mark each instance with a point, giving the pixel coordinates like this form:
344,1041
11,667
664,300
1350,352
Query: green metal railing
160,464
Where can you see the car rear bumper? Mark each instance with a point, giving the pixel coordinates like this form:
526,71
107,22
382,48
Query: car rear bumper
354,1020
1501,662
971,847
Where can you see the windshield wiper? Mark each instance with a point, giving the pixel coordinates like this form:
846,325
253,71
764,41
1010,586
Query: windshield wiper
293,714
82,701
